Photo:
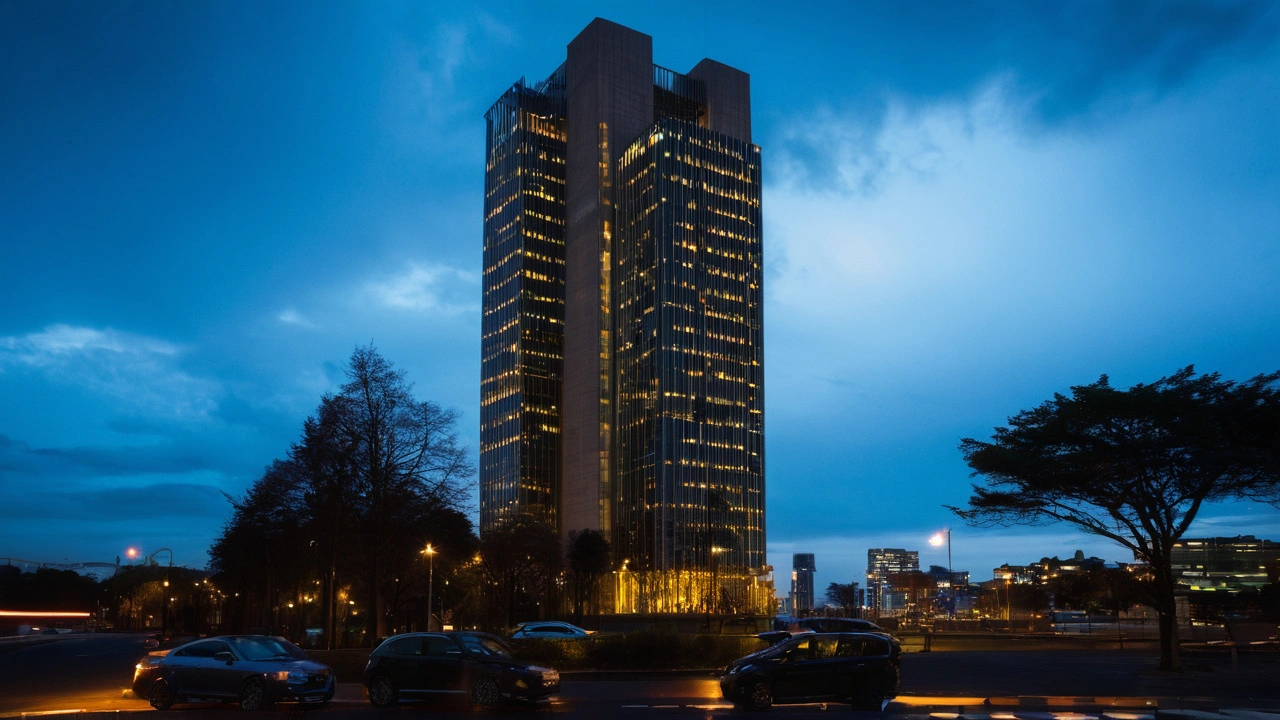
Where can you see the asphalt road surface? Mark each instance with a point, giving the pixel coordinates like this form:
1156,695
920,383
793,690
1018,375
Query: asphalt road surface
92,673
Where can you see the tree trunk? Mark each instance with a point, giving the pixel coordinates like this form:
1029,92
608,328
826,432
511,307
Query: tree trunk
1167,607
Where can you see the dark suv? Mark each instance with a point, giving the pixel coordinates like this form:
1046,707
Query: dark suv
862,668
467,664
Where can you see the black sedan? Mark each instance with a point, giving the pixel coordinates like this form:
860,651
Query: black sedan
862,668
252,670
478,665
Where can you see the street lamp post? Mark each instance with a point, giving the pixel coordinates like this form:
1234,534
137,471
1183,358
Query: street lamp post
164,609
430,552
715,578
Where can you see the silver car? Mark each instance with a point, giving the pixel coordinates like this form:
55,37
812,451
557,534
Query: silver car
252,670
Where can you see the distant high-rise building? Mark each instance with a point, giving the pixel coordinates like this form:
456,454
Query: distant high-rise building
1225,563
882,564
622,372
802,569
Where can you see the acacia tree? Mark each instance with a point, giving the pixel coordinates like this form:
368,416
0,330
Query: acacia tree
1135,466
843,594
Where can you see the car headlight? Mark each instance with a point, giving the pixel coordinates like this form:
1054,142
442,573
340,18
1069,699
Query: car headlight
735,669
289,676
547,675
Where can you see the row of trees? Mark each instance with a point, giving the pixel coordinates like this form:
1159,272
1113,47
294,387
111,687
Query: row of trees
336,532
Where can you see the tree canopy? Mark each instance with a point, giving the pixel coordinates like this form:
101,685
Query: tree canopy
375,477
1134,465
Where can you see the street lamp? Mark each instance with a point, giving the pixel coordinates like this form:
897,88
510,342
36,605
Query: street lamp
936,541
430,552
164,611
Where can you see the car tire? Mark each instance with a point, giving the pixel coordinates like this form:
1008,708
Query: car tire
253,695
485,693
759,696
382,692
160,696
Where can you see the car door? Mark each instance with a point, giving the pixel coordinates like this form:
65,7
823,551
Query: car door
191,669
402,663
442,664
852,665
220,678
793,676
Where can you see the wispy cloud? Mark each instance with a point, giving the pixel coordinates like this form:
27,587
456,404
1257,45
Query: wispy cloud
289,316
138,372
428,90
430,287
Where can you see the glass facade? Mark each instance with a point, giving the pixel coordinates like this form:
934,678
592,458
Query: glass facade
522,356
689,427
643,230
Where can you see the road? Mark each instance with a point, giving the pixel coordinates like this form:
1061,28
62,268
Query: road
93,672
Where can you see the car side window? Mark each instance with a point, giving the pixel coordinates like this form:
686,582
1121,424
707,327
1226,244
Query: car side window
875,647
849,647
824,648
406,646
205,649
801,650
441,647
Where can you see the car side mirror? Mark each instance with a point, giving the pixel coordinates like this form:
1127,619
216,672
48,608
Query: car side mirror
225,657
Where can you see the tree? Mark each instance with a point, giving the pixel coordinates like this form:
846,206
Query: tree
375,477
520,556
588,560
843,594
1134,466
401,451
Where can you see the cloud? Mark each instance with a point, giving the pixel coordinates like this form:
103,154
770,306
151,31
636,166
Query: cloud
289,316
136,371
165,500
430,287
440,109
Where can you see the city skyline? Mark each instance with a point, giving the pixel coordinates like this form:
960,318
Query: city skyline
967,210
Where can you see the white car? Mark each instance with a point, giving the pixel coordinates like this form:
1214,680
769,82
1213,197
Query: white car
549,629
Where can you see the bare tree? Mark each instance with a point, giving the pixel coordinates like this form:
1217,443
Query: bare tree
402,451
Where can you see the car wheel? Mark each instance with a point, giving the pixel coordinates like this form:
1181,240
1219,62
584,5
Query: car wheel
381,692
485,692
870,696
160,696
759,696
253,695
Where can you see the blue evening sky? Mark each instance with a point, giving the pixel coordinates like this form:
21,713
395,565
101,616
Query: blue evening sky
205,206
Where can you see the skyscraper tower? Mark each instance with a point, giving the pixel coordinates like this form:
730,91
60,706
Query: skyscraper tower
622,319
802,569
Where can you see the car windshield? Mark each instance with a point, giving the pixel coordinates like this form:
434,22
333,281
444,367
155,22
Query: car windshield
267,648
783,647
482,646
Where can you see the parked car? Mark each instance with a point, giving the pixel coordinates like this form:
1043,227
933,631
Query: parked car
861,668
419,665
821,625
146,670
548,629
252,670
